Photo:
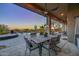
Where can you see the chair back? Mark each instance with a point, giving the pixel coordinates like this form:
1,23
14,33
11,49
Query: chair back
28,42
52,33
54,41
65,33
33,34
76,39
58,38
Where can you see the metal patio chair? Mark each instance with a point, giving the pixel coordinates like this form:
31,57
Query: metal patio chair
30,45
76,39
53,44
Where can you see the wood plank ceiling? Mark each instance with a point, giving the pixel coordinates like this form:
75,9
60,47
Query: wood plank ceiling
58,14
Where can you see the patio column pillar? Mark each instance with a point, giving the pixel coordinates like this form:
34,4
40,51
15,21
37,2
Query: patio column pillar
48,22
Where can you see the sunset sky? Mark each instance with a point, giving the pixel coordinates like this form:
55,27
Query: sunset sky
15,16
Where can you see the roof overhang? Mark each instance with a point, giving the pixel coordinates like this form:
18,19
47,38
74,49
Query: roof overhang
37,9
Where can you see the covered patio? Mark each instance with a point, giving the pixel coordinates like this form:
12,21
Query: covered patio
65,15
17,47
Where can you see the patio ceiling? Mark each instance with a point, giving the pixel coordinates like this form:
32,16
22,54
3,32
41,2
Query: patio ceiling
55,11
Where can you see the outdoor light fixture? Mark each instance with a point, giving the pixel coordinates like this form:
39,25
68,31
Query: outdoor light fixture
45,12
52,27
62,14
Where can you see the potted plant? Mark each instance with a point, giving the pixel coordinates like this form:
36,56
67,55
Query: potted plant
41,33
46,34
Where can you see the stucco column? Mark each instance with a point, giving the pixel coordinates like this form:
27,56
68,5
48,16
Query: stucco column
48,22
71,27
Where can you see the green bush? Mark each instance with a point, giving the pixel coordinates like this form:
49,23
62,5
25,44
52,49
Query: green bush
2,31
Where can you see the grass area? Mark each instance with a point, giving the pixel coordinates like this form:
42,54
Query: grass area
2,33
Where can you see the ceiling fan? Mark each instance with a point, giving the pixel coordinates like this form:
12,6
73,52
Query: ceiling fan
52,10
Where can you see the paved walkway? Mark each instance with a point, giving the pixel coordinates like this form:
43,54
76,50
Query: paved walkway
16,47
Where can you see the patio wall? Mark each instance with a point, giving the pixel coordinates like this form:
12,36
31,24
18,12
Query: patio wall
73,11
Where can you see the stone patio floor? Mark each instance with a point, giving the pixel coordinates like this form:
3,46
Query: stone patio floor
16,47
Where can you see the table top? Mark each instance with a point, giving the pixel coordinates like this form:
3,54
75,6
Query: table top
41,39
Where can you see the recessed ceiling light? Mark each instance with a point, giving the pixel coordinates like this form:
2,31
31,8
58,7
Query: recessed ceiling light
62,14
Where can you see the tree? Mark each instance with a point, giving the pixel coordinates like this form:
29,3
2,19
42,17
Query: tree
35,27
3,29
42,28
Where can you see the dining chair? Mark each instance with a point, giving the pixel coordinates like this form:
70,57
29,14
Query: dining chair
52,33
53,44
33,34
30,45
65,33
76,39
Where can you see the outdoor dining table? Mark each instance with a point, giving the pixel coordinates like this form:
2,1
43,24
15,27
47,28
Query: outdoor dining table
40,40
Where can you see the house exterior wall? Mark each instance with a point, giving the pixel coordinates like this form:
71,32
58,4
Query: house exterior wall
73,11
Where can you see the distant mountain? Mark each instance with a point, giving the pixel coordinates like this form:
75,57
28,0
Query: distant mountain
22,26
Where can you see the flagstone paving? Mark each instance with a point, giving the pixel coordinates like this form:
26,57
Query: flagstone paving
16,47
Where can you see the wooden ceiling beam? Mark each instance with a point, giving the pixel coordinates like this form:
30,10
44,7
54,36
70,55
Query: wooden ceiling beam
35,8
